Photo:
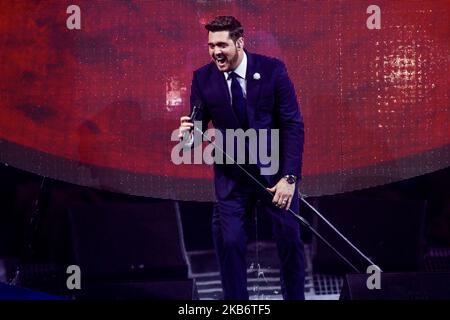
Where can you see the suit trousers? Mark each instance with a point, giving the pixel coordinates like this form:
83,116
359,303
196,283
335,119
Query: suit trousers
230,239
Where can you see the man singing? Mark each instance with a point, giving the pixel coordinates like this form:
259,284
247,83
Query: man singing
242,90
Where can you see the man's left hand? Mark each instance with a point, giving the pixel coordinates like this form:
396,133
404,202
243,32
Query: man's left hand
283,194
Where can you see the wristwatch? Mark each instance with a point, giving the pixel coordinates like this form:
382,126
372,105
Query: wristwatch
290,178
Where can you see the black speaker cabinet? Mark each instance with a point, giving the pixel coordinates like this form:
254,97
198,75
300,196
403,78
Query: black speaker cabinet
398,286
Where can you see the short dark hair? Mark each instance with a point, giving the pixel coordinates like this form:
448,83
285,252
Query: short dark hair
226,23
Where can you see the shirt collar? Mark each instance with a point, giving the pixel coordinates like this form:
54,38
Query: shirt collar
241,69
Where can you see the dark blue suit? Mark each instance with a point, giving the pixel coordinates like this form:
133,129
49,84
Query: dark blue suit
271,104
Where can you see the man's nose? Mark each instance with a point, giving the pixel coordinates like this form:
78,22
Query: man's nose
217,51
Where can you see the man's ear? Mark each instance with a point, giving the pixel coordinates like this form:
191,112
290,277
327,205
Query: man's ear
240,43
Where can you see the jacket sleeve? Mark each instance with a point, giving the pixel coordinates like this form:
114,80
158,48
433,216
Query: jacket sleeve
290,124
197,100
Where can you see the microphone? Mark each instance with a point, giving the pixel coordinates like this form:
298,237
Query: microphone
194,113
195,109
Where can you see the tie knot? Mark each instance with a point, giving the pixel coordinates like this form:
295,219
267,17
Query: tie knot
233,75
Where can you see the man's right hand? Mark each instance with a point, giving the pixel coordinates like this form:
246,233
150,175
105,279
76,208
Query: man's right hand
185,126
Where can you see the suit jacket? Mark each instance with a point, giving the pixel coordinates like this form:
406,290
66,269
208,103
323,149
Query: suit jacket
271,104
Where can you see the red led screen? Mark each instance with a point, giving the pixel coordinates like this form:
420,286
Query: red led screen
96,106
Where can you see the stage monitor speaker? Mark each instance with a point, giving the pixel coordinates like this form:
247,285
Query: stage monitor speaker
128,241
398,286
389,232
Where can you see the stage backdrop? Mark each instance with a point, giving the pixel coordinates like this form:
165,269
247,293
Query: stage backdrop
96,105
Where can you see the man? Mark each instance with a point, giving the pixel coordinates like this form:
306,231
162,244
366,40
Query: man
239,89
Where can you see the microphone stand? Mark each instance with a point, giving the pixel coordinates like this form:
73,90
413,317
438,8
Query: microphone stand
297,216
370,262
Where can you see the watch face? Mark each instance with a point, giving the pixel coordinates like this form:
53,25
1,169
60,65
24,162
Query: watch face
290,179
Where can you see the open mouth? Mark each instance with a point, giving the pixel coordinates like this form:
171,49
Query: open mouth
221,60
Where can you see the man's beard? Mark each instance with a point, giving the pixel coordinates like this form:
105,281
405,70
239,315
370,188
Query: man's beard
233,60
230,61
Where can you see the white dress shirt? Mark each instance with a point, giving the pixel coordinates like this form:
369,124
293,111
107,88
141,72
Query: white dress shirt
241,70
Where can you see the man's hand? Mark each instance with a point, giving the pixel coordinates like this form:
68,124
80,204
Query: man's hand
283,194
185,126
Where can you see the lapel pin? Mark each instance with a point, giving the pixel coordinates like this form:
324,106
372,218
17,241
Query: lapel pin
256,76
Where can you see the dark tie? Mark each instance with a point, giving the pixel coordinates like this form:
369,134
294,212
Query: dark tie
239,102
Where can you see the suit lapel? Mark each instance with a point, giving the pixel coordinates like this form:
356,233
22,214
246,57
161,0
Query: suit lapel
221,93
253,86
224,98
221,88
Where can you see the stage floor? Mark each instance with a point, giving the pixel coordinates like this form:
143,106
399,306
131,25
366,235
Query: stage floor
263,275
